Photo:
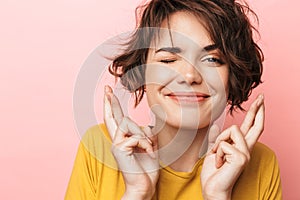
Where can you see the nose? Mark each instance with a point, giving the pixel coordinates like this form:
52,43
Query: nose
189,74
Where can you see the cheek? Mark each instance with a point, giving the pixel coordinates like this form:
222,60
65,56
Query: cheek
150,94
224,74
216,80
159,75
217,83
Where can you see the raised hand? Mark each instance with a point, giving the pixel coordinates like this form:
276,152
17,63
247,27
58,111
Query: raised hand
229,152
133,148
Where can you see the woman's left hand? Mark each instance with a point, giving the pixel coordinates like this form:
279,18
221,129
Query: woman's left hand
229,152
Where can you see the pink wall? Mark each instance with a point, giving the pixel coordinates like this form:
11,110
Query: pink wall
42,47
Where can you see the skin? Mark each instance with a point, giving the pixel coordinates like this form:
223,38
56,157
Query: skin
194,70
191,69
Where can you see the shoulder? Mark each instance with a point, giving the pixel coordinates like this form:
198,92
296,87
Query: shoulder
94,165
262,153
98,131
263,161
98,143
262,149
261,177
96,137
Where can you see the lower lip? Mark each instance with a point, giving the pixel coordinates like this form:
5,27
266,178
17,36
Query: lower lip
187,99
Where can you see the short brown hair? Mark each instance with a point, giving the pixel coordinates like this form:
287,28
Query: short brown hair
229,27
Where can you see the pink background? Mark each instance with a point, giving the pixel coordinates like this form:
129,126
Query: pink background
42,47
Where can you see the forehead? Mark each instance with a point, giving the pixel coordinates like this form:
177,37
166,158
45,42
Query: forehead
183,29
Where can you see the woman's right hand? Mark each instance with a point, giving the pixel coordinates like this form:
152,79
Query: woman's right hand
229,152
133,148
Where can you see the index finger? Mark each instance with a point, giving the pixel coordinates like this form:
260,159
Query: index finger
256,130
109,120
251,114
116,109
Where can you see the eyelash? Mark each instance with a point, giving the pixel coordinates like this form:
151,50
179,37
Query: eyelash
210,60
214,59
166,61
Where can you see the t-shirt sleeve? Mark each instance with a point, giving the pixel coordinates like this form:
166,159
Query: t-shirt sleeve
272,179
260,179
88,165
81,184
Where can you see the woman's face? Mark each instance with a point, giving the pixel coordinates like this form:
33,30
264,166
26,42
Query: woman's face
186,78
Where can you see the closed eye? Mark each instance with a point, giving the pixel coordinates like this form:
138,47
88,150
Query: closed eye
167,61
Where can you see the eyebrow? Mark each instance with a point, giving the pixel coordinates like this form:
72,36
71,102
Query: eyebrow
210,47
170,50
175,50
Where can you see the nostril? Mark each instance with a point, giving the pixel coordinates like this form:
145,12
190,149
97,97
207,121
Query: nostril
192,78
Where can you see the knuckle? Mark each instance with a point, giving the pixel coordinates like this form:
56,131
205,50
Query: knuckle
243,159
115,146
119,150
222,144
235,128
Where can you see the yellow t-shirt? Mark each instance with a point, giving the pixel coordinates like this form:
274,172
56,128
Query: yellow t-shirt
95,175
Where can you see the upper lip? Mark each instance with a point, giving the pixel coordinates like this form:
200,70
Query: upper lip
188,94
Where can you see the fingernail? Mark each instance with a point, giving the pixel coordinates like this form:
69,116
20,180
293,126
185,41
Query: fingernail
262,96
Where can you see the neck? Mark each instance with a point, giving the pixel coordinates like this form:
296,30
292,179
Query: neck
180,148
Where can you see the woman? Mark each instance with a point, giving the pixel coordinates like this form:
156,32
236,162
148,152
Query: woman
192,58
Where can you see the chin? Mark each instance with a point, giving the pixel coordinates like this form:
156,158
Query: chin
189,121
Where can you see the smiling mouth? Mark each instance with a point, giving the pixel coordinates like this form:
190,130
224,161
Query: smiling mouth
188,97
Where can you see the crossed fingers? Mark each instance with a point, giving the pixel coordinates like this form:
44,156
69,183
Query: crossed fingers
238,140
125,133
